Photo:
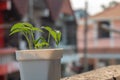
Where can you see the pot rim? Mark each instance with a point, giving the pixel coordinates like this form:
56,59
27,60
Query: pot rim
40,49
39,54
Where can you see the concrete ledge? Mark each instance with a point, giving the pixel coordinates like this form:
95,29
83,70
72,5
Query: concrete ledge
105,73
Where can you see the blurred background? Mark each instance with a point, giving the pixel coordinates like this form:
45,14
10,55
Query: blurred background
87,44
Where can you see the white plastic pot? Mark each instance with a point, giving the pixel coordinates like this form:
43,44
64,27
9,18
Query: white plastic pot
41,64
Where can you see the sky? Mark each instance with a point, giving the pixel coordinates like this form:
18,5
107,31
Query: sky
94,6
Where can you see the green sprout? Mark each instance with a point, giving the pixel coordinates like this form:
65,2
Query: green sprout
28,30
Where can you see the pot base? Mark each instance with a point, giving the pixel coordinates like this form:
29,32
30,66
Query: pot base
40,70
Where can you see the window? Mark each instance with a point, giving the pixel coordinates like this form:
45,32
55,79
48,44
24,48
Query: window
102,33
71,33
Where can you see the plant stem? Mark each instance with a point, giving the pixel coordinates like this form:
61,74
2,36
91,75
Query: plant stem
32,36
49,38
28,41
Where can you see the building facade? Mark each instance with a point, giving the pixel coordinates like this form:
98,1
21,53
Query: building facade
102,45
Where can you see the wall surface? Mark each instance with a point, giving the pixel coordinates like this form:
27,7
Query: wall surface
94,42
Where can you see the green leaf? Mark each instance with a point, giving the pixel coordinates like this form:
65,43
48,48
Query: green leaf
58,37
28,31
19,27
32,28
41,45
27,25
54,33
41,39
37,29
36,41
15,31
41,42
16,26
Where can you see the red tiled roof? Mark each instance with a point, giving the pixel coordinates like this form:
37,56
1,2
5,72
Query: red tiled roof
66,7
59,6
22,6
110,13
54,7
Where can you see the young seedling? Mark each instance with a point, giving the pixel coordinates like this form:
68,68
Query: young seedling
28,30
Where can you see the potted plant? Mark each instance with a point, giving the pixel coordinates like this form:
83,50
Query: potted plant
38,63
